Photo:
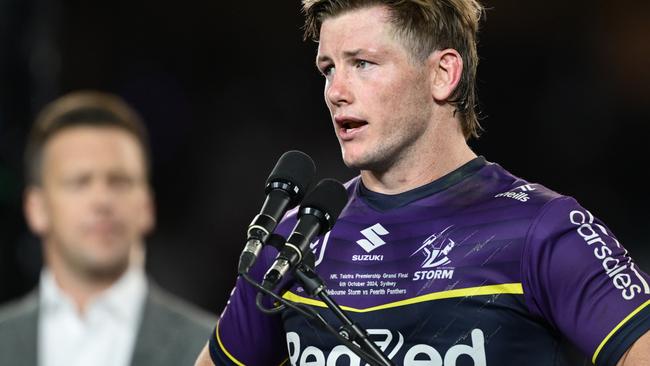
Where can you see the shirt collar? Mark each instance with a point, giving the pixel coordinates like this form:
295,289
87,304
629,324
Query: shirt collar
123,300
50,294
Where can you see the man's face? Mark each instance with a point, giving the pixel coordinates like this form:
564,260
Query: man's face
94,205
378,95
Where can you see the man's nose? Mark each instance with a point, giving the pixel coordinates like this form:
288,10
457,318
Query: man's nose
103,196
338,90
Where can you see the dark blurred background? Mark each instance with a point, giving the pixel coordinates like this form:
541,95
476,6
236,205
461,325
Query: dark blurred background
227,87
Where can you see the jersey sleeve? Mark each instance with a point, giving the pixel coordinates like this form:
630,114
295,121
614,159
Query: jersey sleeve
244,335
583,282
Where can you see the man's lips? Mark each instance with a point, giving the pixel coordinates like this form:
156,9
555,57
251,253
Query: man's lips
103,228
349,127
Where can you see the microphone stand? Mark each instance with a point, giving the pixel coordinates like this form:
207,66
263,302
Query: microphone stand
350,330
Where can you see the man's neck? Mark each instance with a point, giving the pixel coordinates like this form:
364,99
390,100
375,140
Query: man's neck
81,289
445,151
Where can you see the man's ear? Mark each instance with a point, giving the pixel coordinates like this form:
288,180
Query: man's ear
446,68
36,213
148,217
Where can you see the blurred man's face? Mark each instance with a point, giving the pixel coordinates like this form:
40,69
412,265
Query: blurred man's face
94,204
378,96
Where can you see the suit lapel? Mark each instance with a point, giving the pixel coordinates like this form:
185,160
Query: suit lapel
29,336
151,346
23,338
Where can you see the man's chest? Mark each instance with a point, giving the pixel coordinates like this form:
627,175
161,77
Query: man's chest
437,292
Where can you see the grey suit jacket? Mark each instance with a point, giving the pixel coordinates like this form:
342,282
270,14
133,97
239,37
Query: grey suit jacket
171,332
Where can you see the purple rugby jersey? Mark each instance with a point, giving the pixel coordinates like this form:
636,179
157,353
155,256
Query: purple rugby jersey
476,268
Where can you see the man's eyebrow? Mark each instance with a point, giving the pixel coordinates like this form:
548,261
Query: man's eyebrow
322,58
353,53
346,54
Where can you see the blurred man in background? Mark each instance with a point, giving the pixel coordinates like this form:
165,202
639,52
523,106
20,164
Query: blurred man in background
88,198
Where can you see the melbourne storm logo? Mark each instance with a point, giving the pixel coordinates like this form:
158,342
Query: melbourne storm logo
435,249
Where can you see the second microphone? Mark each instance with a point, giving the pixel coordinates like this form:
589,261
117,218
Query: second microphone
318,212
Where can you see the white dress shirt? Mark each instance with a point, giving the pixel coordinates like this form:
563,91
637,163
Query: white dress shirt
103,336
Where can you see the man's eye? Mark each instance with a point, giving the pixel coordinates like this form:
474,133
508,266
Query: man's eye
362,64
327,70
121,181
76,182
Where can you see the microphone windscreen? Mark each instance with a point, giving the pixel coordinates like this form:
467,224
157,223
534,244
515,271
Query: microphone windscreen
330,197
294,167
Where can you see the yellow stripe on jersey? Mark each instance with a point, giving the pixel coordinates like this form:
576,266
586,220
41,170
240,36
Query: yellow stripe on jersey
233,359
627,318
505,288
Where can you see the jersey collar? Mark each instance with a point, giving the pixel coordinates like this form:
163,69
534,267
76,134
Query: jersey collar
384,202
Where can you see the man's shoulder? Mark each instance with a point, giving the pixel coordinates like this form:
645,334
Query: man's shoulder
19,311
18,323
172,331
514,188
175,311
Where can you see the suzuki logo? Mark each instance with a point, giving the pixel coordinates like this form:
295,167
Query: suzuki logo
372,240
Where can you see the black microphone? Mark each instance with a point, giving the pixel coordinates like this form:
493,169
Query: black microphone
318,213
291,177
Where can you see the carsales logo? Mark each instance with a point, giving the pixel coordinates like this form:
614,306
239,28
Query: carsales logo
620,270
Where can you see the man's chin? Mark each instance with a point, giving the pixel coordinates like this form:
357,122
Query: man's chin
360,162
103,270
354,160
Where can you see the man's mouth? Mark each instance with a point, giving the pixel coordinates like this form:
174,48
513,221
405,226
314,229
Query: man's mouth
349,127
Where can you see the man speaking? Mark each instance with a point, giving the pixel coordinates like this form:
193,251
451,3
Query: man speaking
445,258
